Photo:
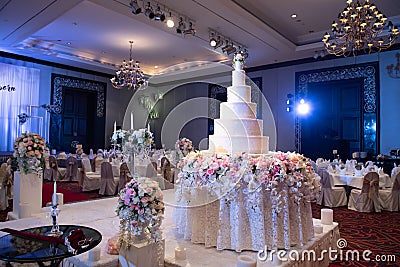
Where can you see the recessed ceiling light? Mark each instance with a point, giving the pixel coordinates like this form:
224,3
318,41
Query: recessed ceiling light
156,67
69,43
293,16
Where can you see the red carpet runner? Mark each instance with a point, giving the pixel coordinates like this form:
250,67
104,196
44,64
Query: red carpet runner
71,190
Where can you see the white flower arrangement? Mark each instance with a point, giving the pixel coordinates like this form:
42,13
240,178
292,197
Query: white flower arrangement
137,141
29,151
140,209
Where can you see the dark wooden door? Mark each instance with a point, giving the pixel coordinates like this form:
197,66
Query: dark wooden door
77,118
335,119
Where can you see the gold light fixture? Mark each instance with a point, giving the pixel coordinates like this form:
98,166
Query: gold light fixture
394,71
360,27
129,75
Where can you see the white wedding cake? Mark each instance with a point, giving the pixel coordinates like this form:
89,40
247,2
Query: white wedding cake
238,130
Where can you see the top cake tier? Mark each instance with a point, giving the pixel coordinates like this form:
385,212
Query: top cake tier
238,78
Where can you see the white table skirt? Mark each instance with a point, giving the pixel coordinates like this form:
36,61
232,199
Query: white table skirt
244,222
357,181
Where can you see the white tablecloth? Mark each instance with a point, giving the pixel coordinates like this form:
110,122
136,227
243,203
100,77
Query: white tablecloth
357,181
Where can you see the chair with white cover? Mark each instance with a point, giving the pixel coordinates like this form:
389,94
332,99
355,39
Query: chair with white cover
97,163
90,180
366,199
390,197
108,185
331,196
3,189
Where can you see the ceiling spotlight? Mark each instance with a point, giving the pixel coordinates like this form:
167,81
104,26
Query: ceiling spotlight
231,50
213,41
149,11
219,42
181,26
226,46
136,9
190,31
170,21
159,15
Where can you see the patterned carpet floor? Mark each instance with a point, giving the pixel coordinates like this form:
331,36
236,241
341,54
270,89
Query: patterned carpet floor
377,232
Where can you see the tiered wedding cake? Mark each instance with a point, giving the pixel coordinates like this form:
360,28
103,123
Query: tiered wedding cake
238,130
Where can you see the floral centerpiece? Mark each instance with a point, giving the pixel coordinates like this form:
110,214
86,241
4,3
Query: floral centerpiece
238,61
183,147
140,209
137,141
222,173
119,136
29,151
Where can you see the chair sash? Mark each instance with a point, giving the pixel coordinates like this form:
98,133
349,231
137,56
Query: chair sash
371,185
123,176
106,170
72,168
396,182
166,168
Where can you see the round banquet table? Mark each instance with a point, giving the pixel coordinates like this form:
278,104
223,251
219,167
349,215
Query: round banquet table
357,181
14,248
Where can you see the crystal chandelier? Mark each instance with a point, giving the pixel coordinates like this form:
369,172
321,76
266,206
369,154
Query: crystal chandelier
129,75
361,26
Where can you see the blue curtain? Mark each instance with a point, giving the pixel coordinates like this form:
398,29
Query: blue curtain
19,91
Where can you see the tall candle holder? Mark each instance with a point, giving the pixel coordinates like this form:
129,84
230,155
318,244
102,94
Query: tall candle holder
55,229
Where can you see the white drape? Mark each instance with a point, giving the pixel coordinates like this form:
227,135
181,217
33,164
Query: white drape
26,93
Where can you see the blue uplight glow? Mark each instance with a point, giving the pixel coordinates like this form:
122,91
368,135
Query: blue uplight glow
303,108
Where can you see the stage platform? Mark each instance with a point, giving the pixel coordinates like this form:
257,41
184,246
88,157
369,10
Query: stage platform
100,214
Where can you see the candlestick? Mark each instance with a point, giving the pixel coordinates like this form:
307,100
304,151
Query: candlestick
180,254
326,216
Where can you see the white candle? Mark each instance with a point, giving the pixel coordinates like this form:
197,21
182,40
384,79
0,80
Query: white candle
148,127
54,198
326,216
246,261
180,254
318,228
115,126
131,120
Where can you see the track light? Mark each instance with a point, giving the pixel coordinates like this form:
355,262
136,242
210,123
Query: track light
170,21
149,11
135,8
219,42
190,31
231,50
181,26
159,15
225,47
213,41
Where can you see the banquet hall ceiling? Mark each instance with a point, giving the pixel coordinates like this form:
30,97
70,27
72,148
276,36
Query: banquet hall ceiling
95,34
